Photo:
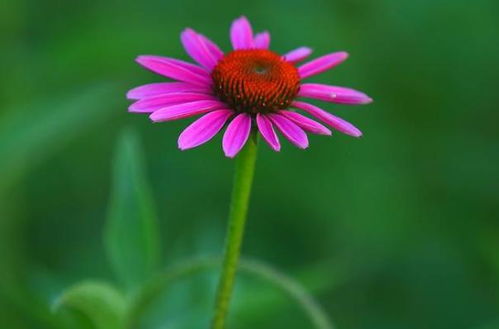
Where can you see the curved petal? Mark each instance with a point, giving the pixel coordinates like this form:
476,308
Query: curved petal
184,110
176,69
339,95
236,135
298,54
241,34
322,64
203,129
334,121
158,88
197,48
305,123
148,105
262,40
290,130
212,47
267,130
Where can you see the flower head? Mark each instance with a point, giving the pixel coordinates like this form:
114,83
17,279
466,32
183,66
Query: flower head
250,87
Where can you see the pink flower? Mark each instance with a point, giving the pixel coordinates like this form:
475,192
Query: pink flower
249,87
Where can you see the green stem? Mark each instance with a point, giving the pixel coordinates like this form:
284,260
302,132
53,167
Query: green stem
243,179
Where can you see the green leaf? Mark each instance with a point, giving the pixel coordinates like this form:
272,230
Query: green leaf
29,134
131,235
93,302
283,283
291,288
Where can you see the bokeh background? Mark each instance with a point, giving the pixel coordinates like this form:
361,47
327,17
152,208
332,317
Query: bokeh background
397,229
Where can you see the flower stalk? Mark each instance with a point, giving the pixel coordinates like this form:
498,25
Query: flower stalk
243,179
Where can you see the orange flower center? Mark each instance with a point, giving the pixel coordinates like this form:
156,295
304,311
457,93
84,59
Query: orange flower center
255,81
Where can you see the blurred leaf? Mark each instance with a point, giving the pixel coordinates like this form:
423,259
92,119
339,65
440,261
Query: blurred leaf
29,134
95,302
154,287
292,288
131,235
32,132
277,279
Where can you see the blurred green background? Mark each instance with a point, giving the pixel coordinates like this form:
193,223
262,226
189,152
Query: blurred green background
398,229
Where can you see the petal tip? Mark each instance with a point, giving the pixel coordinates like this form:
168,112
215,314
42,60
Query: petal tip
133,108
181,145
230,151
354,132
343,54
130,94
241,19
141,58
154,117
229,154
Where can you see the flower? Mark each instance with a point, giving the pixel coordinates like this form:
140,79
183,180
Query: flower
248,87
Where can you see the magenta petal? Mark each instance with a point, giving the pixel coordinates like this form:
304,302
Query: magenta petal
180,111
212,47
236,135
158,88
262,40
197,48
176,69
177,62
298,54
321,64
267,130
290,130
340,95
334,121
241,34
203,129
305,123
147,105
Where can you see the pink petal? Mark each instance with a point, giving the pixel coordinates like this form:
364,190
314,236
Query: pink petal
340,95
147,105
197,49
241,34
322,64
267,130
212,47
158,88
298,54
176,69
180,111
290,130
335,122
305,123
188,66
203,129
236,135
262,40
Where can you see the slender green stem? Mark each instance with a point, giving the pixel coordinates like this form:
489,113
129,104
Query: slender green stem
243,179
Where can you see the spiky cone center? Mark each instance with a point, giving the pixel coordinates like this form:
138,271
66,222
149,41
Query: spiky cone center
255,81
